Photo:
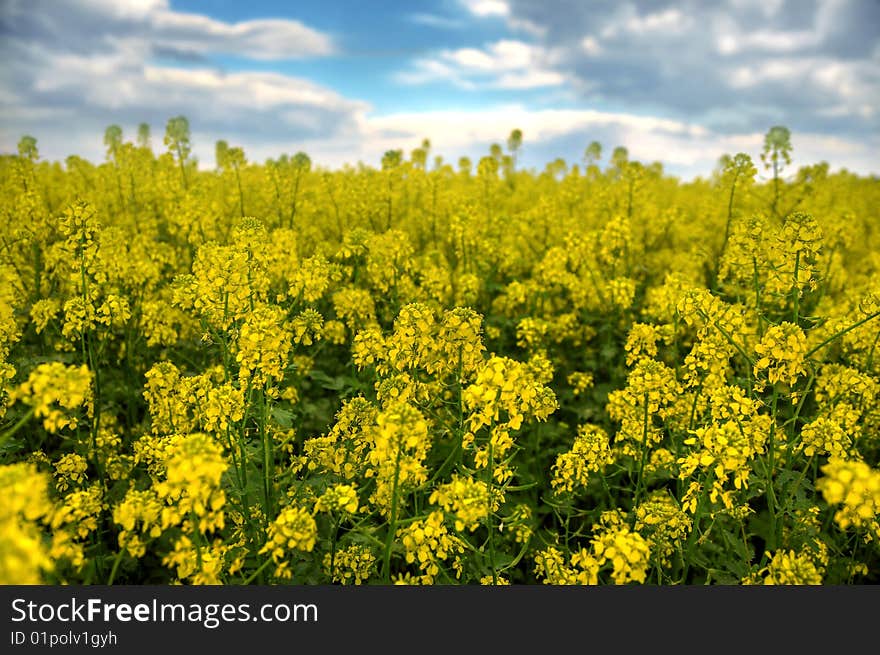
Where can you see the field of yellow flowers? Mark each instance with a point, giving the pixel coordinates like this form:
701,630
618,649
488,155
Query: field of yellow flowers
428,373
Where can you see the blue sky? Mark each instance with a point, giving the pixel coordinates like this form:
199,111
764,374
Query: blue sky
676,82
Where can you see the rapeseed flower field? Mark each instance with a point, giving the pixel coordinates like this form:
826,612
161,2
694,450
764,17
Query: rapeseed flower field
436,373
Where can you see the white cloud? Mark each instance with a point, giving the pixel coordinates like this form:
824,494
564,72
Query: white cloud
591,46
685,148
730,65
854,86
258,39
501,9
668,21
475,60
91,25
626,22
773,41
123,81
433,20
778,70
484,8
731,40
244,91
741,38
527,26
530,80
261,111
464,128
128,9
83,64
768,8
294,121
505,64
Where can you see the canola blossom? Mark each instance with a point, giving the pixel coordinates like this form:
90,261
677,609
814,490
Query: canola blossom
278,373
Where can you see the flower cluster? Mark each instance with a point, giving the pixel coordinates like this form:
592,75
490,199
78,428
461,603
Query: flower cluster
54,390
293,529
428,544
470,501
191,489
781,353
590,453
435,373
855,486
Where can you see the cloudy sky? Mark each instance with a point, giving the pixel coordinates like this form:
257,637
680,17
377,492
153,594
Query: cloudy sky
678,82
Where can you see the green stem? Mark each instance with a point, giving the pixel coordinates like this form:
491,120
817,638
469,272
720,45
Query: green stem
196,537
392,524
182,167
771,455
115,568
336,522
268,468
641,476
852,327
253,576
797,484
489,514
729,217
797,291
686,557
240,191
15,428
757,297
738,348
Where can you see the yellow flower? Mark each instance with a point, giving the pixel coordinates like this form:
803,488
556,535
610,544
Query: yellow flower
470,501
194,466
855,486
628,553
590,453
400,443
54,387
352,565
139,516
293,529
788,567
781,354
307,327
23,555
263,346
427,543
339,497
70,470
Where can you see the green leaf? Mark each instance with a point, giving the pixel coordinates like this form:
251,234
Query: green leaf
283,417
